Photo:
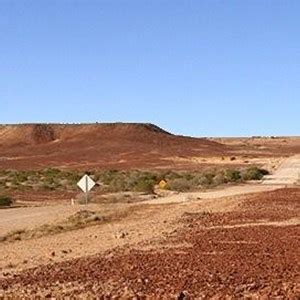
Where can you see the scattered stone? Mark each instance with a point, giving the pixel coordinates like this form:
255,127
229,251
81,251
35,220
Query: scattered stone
121,235
183,296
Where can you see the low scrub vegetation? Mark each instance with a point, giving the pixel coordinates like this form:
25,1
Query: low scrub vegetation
48,179
203,180
5,201
122,181
253,173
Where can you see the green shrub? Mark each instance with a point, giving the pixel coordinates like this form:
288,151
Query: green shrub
179,185
49,180
203,180
117,184
18,177
48,187
122,181
170,175
232,176
254,173
5,201
144,185
188,176
15,182
2,183
210,177
118,181
72,177
219,179
141,181
51,172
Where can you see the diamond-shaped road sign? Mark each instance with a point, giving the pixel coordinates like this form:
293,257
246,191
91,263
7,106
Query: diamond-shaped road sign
86,183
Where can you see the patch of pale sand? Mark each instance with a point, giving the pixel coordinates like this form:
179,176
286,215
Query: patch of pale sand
29,217
270,163
163,247
260,141
288,172
288,222
214,194
149,223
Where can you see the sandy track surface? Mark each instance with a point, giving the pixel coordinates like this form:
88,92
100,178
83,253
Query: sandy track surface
30,217
288,173
215,194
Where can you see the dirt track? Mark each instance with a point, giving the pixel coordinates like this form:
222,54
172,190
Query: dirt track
30,217
288,172
141,222
230,191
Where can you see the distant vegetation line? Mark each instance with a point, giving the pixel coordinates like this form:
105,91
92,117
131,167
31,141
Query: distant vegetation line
53,179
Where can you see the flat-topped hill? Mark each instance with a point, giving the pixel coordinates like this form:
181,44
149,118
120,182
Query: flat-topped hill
105,145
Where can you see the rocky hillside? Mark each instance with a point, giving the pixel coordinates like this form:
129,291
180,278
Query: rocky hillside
115,145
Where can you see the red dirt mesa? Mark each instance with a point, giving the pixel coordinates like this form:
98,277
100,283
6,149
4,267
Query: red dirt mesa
96,145
122,146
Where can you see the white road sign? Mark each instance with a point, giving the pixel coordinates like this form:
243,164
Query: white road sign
86,183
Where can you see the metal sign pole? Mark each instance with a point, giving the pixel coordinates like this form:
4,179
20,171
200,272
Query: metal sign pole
86,190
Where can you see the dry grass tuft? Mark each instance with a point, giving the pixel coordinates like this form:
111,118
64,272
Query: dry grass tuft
79,220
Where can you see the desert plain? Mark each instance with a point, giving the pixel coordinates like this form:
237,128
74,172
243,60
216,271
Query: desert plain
171,217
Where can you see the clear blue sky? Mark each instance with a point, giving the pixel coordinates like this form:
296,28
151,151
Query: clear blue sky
202,68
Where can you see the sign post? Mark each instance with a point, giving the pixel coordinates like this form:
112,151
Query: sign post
86,183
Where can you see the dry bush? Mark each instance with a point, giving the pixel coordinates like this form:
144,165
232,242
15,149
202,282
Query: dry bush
5,201
254,173
232,176
219,179
180,185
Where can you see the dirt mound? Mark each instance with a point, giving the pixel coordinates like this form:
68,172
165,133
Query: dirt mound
42,133
108,145
13,135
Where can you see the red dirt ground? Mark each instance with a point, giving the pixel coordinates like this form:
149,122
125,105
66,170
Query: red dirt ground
114,146
236,254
